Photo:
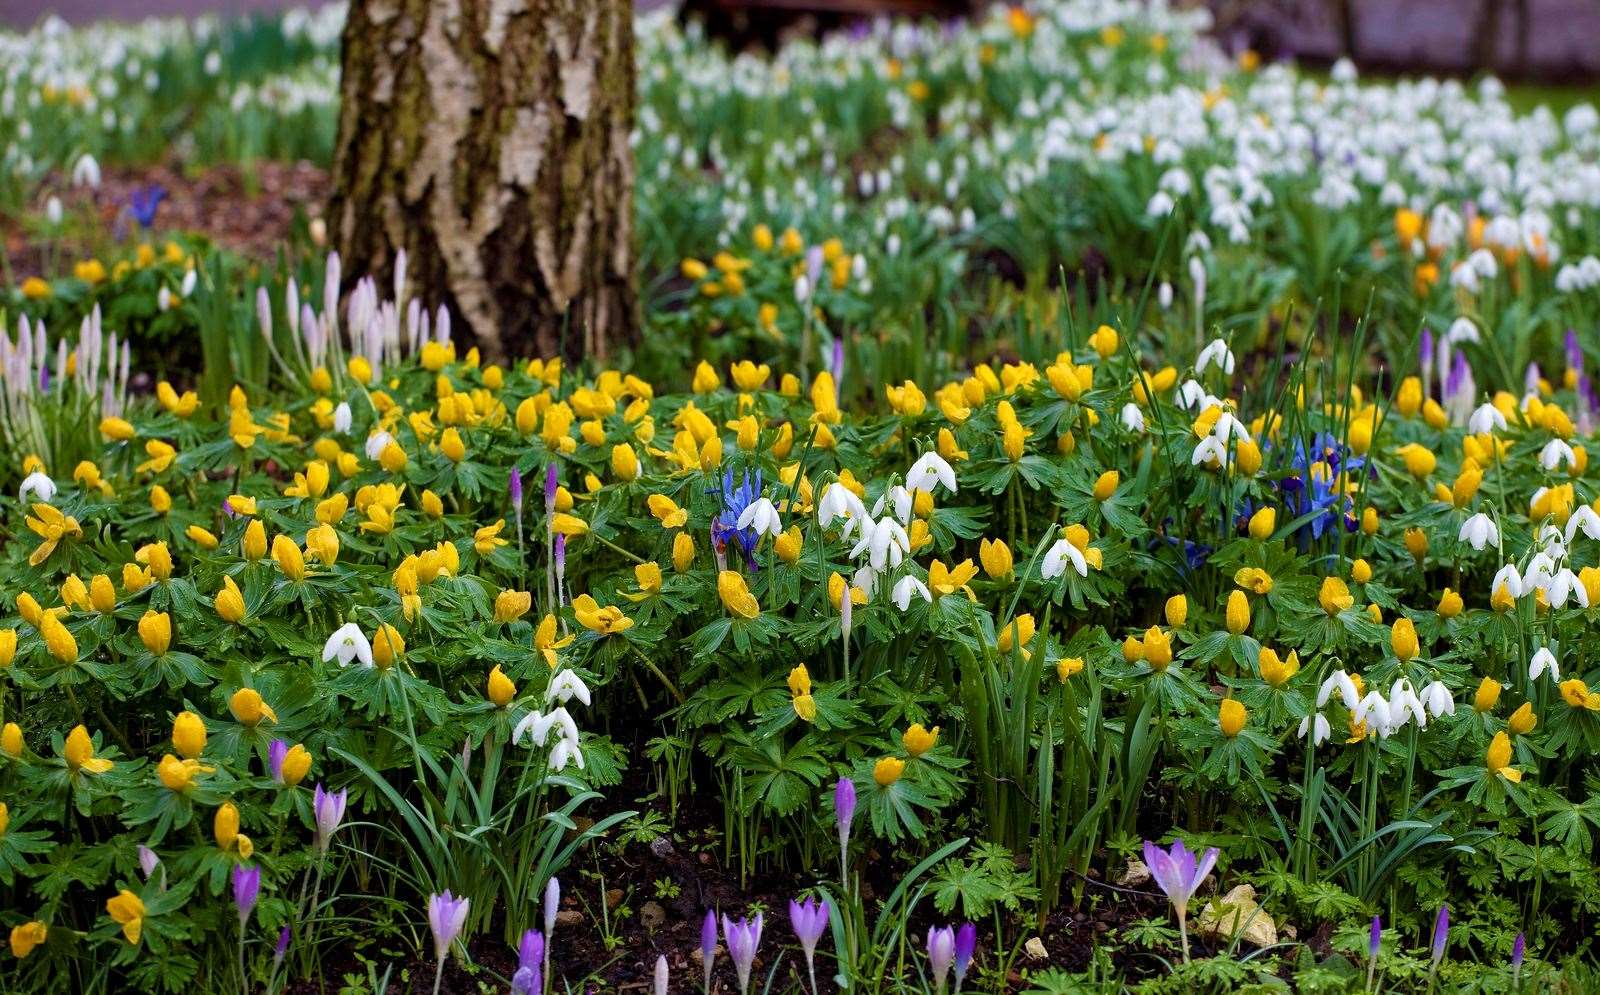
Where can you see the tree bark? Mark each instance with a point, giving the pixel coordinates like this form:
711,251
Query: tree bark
490,140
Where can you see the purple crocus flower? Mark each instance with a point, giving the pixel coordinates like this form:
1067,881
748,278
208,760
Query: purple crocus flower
282,950
328,807
515,485
966,946
550,489
1374,944
1179,875
743,938
529,979
144,202
246,889
844,807
275,757
447,914
1425,353
708,946
149,860
1441,934
941,953
809,919
1518,949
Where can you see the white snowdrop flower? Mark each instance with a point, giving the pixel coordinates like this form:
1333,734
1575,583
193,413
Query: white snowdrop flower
1464,278
1160,205
885,543
1403,701
1132,417
341,417
1216,354
564,752
1317,726
1375,712
1164,295
1341,682
1556,452
1191,396
1437,699
1509,578
1058,556
163,299
929,469
1210,450
348,643
1229,427
86,172
1486,418
1585,520
1479,531
190,278
761,516
802,289
565,686
907,588
36,486
1544,660
376,443
53,211
1560,585
1462,330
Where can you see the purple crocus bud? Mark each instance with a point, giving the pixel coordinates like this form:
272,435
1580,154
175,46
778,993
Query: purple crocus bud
708,946
148,861
246,889
282,949
550,488
529,979
814,263
1531,378
1519,948
1441,934
561,557
941,953
844,804
515,485
1574,352
966,946
447,914
661,975
809,919
743,939
1375,941
328,807
552,905
275,757
1425,354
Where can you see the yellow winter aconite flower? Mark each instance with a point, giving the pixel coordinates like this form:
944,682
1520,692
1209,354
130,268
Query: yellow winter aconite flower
624,462
1067,667
451,445
1237,614
1176,611
666,511
116,429
919,740
512,605
290,560
79,753
1522,720
52,526
996,559
1274,671
8,647
788,544
388,646
1231,716
487,539
1106,485
1419,461
943,580
1403,639
501,690
225,830
1487,695
888,770
58,640
1334,596
568,525
202,537
249,709
229,601
1254,580
1157,648
805,707
682,552
545,641
648,577
296,764
11,740
322,542
1017,633
1577,694
1498,759
28,936
606,621
735,595
178,775
189,735
127,910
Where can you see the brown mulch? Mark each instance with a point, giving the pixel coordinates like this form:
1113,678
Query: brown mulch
246,209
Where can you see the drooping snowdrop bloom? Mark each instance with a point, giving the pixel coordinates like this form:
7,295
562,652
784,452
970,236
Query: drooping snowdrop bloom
1511,579
36,486
565,686
1486,418
1436,698
1565,584
1317,725
929,469
1210,450
839,501
1341,682
761,516
1583,519
1215,354
537,727
1480,531
907,588
1374,711
1132,417
1542,661
1058,556
341,418
1556,452
86,172
348,643
885,542
898,498
376,443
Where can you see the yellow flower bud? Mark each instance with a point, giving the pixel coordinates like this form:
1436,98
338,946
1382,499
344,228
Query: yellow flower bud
1263,523
1237,614
918,740
888,770
1487,696
189,735
1403,639
248,708
1334,596
1177,611
1523,720
1231,716
996,559
501,690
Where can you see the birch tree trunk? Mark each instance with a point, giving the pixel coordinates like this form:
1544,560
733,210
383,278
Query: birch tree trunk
489,139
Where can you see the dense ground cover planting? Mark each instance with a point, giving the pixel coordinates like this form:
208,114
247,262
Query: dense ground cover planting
1085,513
